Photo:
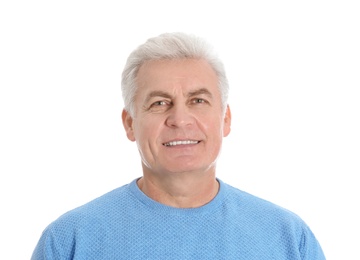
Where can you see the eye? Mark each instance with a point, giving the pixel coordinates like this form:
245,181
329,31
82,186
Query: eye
198,100
160,103
159,106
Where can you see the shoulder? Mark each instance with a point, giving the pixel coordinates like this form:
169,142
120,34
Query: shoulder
86,223
92,215
268,222
113,201
267,218
237,197
262,211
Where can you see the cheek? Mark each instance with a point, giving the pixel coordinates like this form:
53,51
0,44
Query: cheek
146,130
214,125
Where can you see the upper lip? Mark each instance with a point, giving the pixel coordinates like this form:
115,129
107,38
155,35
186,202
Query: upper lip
181,142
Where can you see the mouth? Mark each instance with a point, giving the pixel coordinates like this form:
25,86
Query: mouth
183,142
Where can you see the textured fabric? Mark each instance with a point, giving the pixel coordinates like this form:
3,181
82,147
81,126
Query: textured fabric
126,224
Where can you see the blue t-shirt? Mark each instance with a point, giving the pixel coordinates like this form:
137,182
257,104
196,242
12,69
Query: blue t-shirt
126,224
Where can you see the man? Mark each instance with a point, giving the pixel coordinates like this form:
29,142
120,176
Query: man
175,95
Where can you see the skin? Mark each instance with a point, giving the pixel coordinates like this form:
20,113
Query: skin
178,101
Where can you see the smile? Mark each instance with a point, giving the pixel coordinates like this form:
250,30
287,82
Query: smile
173,143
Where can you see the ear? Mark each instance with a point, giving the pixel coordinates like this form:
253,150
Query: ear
227,122
127,121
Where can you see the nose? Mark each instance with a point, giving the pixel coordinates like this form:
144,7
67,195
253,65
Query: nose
179,116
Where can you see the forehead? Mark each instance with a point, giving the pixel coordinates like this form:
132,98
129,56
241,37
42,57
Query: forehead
169,75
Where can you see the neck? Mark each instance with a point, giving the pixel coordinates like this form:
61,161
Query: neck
180,190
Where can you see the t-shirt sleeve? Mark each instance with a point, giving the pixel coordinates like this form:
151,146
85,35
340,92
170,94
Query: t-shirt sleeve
47,247
310,248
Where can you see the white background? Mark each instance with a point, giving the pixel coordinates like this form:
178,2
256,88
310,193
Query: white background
293,68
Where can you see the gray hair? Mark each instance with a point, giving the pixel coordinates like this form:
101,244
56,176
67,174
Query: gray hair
169,46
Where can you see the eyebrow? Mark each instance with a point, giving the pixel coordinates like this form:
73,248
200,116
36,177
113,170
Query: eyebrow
159,93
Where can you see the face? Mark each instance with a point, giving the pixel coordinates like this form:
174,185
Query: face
179,122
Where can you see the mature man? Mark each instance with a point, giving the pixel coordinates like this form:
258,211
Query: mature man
175,93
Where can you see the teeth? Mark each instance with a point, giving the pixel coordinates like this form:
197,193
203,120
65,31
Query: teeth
180,143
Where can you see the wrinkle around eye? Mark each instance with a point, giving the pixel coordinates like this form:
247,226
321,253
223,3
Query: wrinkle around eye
160,103
159,106
199,101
